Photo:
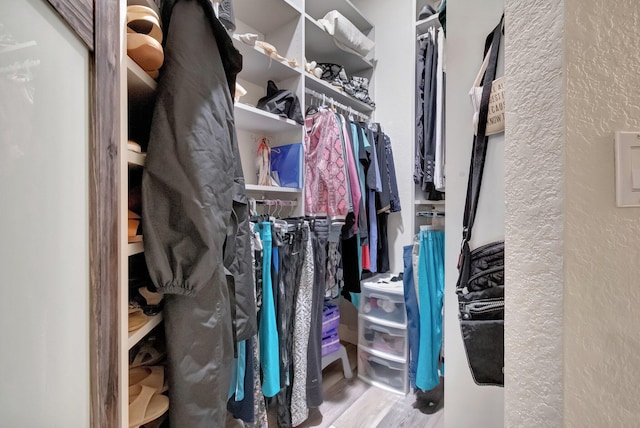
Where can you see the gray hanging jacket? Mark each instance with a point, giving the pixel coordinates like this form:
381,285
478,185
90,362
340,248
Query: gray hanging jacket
194,203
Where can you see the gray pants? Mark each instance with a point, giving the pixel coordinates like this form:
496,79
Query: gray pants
199,354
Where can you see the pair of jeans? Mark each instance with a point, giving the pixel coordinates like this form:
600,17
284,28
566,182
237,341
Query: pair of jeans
413,313
319,235
292,255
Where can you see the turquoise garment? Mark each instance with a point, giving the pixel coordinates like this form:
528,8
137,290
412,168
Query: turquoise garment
268,330
237,372
431,295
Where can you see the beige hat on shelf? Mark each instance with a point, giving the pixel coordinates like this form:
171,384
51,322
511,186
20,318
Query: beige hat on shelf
144,20
145,51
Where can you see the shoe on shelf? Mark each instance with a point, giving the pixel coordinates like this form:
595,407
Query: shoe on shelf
149,301
145,405
137,319
248,38
152,376
145,51
147,355
144,20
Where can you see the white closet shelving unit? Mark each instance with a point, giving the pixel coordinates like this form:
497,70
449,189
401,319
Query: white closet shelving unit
291,27
420,203
137,98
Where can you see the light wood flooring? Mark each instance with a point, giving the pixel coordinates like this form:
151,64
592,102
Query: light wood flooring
352,403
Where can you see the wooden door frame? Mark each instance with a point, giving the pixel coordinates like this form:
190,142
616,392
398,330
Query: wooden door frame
96,23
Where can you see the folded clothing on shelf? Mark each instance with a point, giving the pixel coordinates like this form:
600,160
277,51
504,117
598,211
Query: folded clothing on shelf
357,87
346,35
330,324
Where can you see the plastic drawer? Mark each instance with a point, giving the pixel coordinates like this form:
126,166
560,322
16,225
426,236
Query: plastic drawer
381,371
376,303
382,337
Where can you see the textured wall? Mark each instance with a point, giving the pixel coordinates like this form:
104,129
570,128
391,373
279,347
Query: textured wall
534,196
602,277
468,23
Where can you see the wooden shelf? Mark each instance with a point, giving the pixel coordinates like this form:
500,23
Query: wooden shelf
271,189
135,248
424,24
312,82
135,158
265,15
255,120
140,86
258,67
320,47
138,335
318,9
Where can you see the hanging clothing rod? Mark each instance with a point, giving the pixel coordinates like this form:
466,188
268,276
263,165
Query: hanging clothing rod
277,202
333,102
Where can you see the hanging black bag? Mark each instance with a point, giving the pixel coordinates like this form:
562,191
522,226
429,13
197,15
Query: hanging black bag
480,286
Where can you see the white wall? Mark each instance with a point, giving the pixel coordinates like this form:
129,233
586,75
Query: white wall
468,23
394,95
44,227
602,274
534,214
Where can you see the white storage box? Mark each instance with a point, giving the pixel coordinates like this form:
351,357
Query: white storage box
382,370
382,337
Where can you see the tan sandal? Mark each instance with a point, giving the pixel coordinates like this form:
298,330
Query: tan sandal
144,20
145,51
137,319
152,377
145,405
147,355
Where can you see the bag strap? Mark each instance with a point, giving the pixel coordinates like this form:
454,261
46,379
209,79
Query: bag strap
480,140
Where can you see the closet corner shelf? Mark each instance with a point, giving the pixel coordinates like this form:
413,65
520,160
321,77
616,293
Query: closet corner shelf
424,24
135,248
266,16
271,189
140,86
255,120
426,202
312,82
320,47
135,158
318,9
258,67
138,335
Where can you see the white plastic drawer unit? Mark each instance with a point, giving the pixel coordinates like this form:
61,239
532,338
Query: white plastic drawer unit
383,305
383,337
381,370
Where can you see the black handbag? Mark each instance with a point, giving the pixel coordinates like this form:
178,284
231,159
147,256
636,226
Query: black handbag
480,286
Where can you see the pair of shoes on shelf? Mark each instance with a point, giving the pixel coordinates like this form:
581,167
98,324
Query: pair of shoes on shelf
270,50
146,299
144,38
146,402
